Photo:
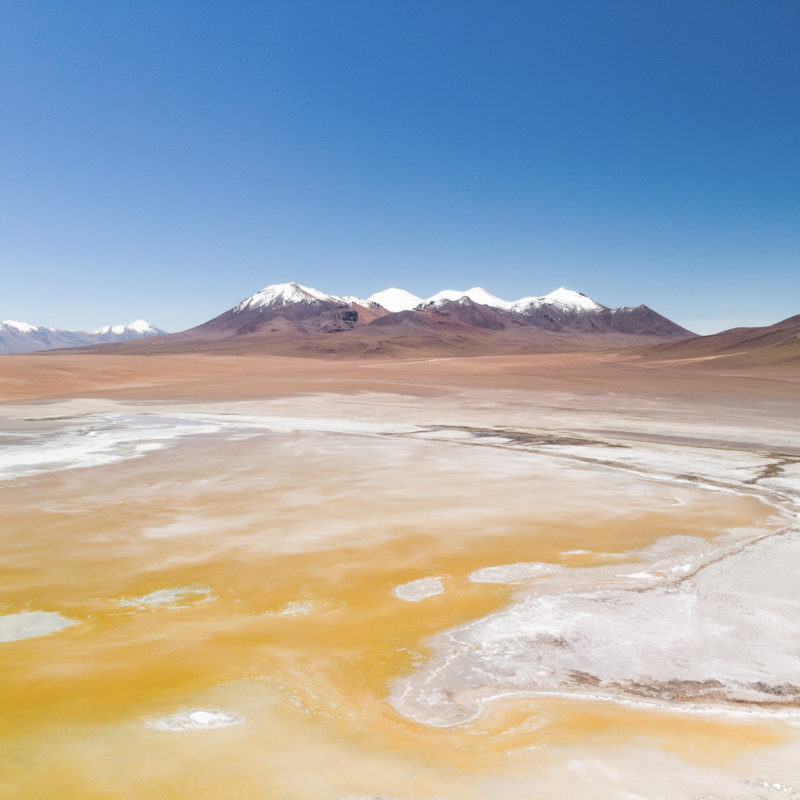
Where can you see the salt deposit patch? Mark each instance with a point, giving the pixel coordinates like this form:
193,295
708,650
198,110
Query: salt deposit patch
197,719
180,596
512,573
715,639
29,624
295,608
382,797
774,786
317,607
414,591
95,441
100,439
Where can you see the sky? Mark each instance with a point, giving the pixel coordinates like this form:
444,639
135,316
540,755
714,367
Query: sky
163,160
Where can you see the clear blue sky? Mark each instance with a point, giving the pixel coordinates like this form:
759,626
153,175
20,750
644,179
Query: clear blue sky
166,159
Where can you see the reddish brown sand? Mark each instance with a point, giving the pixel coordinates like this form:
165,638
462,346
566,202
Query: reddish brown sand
206,377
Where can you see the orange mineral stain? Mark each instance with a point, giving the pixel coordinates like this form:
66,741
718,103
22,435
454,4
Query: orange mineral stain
281,553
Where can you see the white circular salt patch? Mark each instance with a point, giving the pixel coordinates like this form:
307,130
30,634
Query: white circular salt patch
197,719
295,608
414,591
28,624
180,596
512,573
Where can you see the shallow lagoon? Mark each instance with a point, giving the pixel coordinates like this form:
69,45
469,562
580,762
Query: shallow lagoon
243,567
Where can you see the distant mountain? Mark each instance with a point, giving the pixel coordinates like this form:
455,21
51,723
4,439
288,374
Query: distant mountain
291,319
284,307
768,344
477,295
22,337
396,299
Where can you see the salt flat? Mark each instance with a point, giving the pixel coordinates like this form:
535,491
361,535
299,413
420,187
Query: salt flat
600,569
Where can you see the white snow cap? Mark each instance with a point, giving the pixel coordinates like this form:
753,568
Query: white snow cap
565,298
137,326
23,327
477,294
282,294
395,299
140,326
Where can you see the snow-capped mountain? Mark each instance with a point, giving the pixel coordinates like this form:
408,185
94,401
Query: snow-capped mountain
284,307
292,319
279,295
22,337
22,327
131,331
477,294
284,294
395,299
564,298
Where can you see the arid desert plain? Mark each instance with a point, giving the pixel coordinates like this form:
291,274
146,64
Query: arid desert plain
496,578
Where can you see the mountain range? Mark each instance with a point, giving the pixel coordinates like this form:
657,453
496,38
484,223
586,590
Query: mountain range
22,337
291,319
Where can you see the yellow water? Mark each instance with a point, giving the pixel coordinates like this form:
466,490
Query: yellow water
334,522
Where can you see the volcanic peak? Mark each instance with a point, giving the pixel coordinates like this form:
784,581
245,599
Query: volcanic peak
283,294
395,299
562,297
477,294
22,327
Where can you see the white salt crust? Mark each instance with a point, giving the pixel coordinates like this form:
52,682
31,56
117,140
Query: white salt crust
198,719
29,624
414,591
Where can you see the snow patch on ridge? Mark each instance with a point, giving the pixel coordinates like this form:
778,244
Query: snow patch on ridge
477,294
282,294
562,297
395,300
138,326
22,327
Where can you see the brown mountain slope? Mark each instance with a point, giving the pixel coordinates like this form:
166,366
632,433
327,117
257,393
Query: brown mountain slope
770,344
289,320
406,333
